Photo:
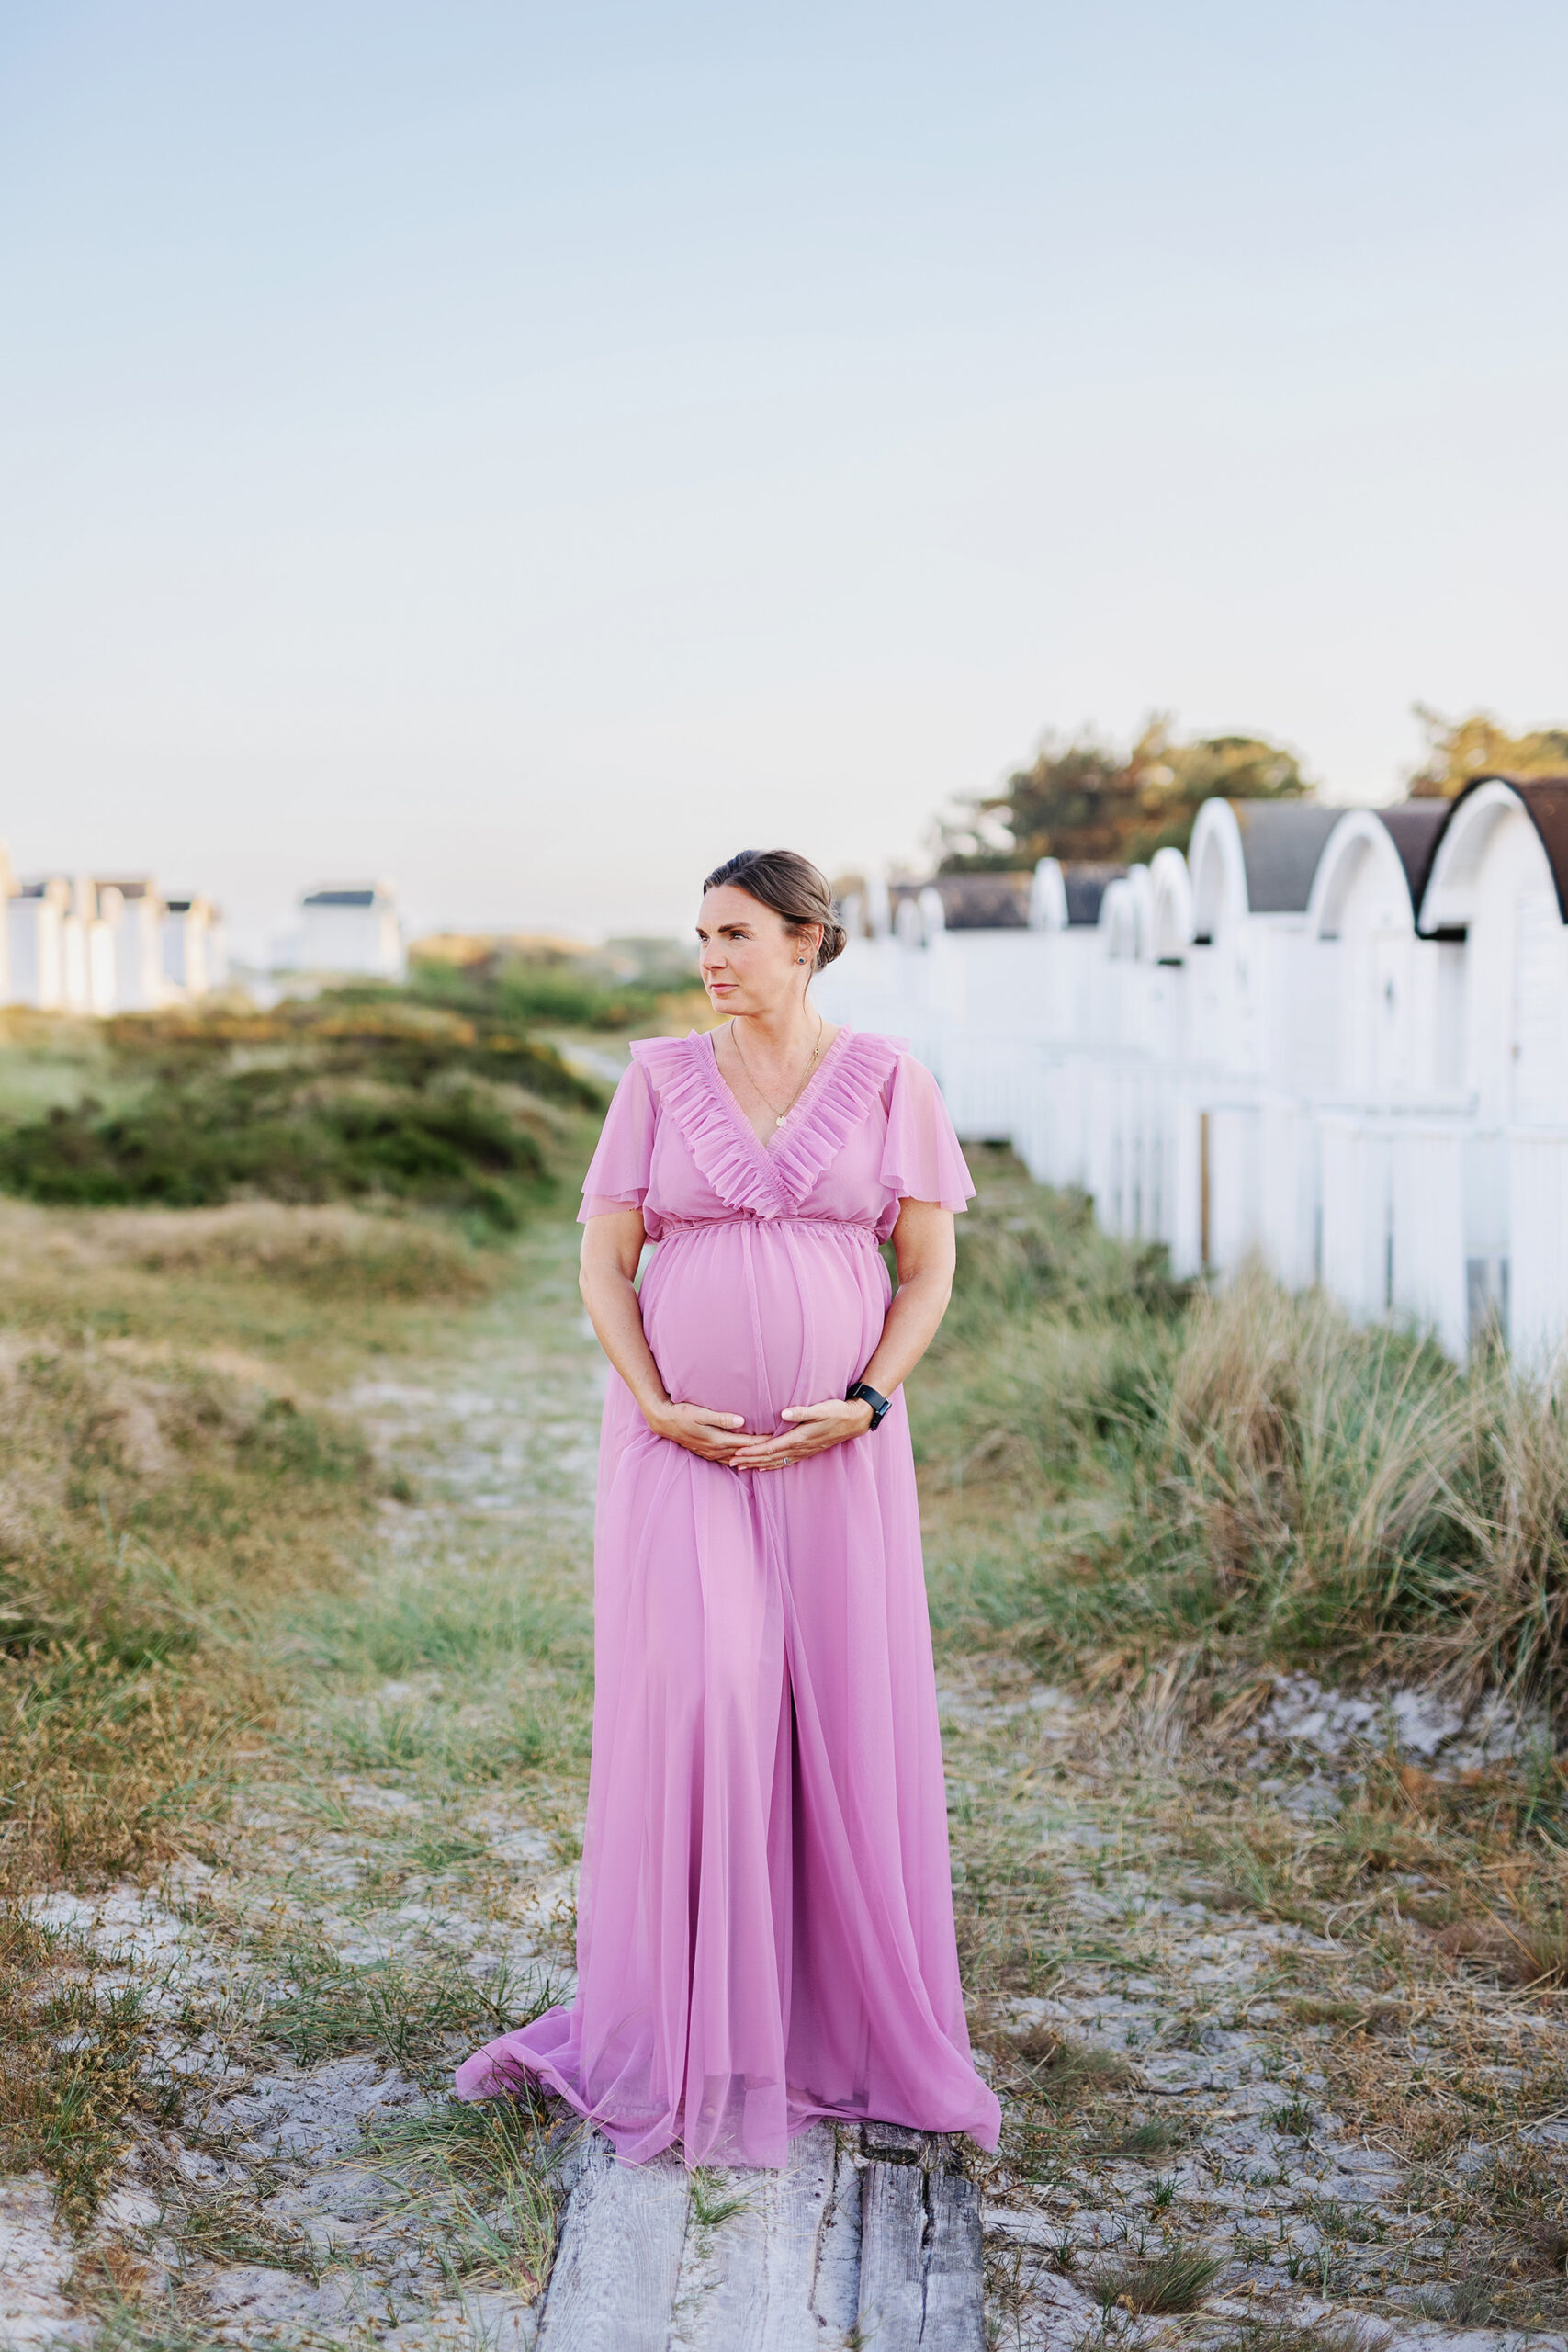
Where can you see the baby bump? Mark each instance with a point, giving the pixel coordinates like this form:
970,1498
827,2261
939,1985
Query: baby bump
747,1316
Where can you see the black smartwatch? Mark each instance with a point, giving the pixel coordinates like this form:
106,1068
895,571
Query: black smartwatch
862,1393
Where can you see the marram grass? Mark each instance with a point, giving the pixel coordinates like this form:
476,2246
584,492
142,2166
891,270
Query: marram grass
1123,1473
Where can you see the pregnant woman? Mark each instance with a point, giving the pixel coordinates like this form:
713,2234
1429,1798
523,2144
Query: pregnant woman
765,1916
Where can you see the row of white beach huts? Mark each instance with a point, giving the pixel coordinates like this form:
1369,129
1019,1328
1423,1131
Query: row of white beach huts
82,943
1335,1038
79,943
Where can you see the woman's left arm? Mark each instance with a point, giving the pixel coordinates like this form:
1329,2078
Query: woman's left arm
924,1252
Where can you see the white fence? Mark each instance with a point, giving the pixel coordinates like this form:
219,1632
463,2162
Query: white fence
1338,1038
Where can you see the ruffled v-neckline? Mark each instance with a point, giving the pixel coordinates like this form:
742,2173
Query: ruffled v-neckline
771,1151
746,1173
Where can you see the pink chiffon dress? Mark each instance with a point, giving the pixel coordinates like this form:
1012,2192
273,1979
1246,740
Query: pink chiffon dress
765,1912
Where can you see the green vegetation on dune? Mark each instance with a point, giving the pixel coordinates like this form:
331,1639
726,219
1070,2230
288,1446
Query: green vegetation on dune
360,1094
566,994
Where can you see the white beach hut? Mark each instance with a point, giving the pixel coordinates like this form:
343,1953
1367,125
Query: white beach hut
1386,1105
34,920
1256,1014
1053,1135
1498,896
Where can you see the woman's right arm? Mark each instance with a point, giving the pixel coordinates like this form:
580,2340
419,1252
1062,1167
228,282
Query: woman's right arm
612,1251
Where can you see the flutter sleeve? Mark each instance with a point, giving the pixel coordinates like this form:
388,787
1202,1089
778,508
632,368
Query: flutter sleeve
920,1160
618,1172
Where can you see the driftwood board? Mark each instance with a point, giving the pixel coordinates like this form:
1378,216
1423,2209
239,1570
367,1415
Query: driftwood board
868,2237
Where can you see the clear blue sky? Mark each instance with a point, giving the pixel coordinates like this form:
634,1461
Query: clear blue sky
533,451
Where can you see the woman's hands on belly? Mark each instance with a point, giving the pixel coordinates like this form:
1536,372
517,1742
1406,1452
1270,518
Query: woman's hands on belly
612,1251
714,1436
817,1429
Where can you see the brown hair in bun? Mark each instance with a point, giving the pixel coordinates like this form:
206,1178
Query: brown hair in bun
792,887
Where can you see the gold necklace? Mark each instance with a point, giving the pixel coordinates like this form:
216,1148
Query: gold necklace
779,1116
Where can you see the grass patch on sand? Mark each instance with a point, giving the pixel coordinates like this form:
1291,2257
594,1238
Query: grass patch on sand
1164,2284
73,2063
488,2177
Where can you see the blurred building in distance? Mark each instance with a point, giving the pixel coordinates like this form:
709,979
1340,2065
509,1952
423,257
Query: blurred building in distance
349,929
1335,1037
195,958
76,943
138,915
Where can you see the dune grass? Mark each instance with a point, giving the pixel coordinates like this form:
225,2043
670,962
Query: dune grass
175,1495
186,1513
1129,1475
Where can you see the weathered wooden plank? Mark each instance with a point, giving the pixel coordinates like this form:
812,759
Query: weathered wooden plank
802,2203
746,2281
954,2291
893,2143
613,2288
893,2221
835,2293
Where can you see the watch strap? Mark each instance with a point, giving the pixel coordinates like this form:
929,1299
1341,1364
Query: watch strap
865,1394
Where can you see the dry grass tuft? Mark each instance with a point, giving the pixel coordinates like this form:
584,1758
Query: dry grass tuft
1352,1489
491,2174
1164,2285
329,1252
1067,2073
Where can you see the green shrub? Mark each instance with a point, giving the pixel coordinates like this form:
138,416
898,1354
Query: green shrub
281,1133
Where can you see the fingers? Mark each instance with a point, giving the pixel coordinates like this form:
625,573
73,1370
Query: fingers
808,1412
773,1454
716,1420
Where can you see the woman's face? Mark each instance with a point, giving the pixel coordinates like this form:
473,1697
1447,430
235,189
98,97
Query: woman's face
750,956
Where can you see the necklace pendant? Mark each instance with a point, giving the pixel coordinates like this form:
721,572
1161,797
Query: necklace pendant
782,1117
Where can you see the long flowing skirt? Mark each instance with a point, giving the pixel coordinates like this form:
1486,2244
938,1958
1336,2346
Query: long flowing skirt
765,1918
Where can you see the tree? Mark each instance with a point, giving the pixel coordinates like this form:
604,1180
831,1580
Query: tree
1084,801
1460,749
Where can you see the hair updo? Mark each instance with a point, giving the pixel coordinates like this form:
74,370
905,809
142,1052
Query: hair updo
792,887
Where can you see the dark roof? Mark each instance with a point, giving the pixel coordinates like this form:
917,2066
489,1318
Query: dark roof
1086,885
1546,798
1546,803
340,898
1282,842
139,888
1000,901
1416,827
984,901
